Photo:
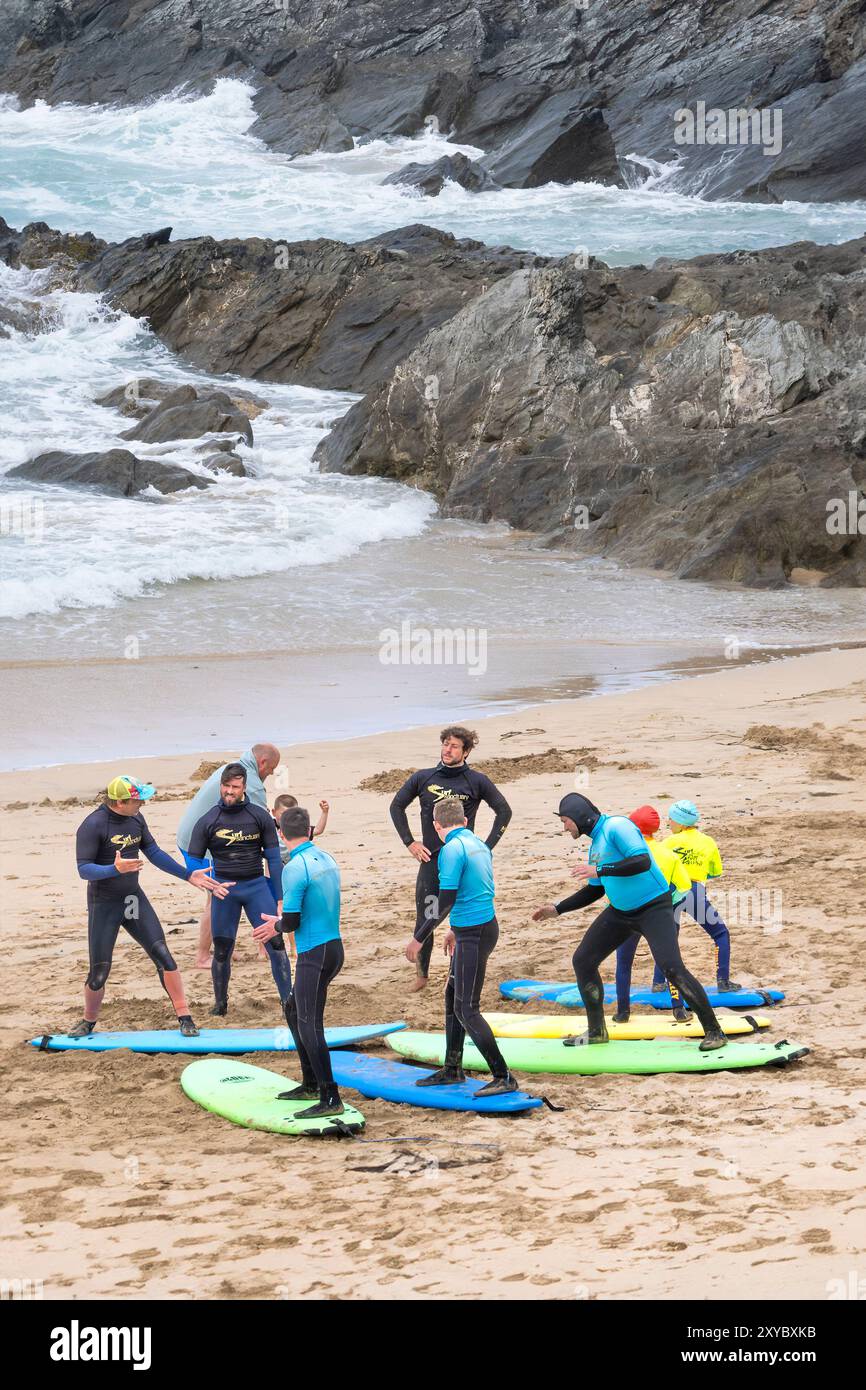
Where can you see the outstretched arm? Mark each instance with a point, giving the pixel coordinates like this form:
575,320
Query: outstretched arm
582,898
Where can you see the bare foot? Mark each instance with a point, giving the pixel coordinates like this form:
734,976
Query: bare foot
421,982
203,964
262,952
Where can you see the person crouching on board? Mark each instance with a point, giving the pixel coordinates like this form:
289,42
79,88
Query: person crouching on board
466,892
699,855
311,910
648,820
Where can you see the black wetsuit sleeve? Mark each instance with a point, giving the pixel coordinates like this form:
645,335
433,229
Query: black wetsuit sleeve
582,898
290,921
490,793
404,797
624,868
447,899
86,850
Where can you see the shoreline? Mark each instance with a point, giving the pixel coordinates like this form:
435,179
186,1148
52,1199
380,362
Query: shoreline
512,701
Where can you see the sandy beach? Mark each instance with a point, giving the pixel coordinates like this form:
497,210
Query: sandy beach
739,1185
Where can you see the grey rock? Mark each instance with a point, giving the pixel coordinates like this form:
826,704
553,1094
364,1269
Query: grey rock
697,417
117,471
319,313
430,179
226,463
547,90
183,415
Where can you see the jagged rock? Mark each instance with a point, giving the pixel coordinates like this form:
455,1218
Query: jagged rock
562,141
319,313
226,463
698,417
430,179
184,415
39,246
523,81
116,470
136,397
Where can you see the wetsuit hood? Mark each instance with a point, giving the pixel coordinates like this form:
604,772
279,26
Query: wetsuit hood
581,810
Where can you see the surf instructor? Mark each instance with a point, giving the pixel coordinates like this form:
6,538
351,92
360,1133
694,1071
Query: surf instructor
639,902
451,777
107,848
259,762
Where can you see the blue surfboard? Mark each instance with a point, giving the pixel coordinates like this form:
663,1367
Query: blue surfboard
231,1041
381,1079
566,993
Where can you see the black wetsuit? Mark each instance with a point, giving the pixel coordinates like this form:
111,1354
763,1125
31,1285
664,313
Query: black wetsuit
116,900
237,838
654,921
428,786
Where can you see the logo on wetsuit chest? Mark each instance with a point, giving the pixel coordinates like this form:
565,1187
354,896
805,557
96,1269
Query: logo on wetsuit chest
235,837
124,841
441,792
688,856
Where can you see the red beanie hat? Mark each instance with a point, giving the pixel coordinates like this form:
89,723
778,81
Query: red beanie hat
647,819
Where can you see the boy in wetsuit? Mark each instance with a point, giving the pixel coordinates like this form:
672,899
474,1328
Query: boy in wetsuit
648,820
466,892
699,855
239,835
311,910
107,847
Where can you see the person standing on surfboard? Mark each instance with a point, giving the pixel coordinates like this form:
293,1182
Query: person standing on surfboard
466,892
648,820
107,847
639,901
238,835
311,909
451,777
699,855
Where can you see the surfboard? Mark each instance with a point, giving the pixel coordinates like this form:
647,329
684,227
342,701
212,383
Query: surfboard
248,1096
638,1058
566,993
638,1026
230,1041
379,1078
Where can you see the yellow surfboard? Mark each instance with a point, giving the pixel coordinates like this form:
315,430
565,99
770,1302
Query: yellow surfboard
639,1026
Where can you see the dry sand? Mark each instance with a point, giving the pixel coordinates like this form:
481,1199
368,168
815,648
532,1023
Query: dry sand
739,1185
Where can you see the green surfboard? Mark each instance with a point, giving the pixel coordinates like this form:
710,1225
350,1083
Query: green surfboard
248,1096
638,1058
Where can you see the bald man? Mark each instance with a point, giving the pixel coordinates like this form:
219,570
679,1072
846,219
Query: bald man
259,763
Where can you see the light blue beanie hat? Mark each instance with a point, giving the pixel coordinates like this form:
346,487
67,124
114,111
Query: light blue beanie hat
684,813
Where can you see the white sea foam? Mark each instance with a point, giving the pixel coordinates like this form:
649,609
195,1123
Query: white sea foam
95,550
190,162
